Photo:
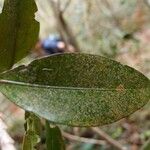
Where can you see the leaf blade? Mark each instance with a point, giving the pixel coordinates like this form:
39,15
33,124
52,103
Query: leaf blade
54,139
33,130
88,102
18,31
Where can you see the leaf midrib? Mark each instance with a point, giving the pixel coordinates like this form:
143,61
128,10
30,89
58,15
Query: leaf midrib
63,87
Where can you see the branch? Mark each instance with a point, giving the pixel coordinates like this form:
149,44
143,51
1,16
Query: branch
82,139
108,138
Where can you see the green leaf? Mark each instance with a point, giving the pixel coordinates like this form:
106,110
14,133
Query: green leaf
18,31
32,135
77,89
146,146
54,139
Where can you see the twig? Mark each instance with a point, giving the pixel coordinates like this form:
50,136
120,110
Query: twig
82,139
63,27
108,138
66,6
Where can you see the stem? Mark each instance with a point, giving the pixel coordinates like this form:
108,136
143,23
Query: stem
108,138
82,139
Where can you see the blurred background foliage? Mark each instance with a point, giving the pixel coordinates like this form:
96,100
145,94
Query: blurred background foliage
100,26
117,29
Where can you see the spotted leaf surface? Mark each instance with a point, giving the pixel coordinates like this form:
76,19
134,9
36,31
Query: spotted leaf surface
77,89
18,31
